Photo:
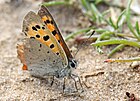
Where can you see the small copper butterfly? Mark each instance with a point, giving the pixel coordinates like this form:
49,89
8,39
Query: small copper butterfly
44,51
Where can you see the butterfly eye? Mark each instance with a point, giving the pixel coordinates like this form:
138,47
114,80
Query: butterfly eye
73,63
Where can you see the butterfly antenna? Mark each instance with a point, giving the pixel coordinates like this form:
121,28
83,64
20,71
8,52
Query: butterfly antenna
84,43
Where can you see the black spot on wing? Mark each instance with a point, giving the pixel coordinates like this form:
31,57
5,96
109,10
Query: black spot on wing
54,32
26,29
51,22
52,46
43,28
25,33
37,26
57,53
45,38
59,41
47,21
38,36
34,28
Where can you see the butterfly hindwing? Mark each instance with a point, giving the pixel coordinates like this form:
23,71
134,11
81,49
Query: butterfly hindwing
51,25
41,61
33,27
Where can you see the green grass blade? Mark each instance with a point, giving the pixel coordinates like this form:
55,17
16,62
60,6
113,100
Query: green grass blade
123,60
85,3
128,20
112,23
116,41
120,18
119,47
98,1
102,36
137,28
100,30
52,3
78,32
95,10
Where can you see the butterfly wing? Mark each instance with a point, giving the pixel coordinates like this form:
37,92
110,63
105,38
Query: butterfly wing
51,25
40,53
41,60
33,27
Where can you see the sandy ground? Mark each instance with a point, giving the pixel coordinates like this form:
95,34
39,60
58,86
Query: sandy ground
110,84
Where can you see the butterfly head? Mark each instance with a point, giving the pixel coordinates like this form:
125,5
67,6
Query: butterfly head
72,63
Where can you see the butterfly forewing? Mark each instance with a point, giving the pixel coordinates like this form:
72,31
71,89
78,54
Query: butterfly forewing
33,27
51,25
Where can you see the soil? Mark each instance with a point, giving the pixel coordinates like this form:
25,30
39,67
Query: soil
101,81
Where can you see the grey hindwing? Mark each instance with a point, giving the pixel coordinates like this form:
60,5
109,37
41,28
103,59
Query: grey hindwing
41,61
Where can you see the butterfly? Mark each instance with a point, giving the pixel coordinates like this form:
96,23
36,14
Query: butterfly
44,51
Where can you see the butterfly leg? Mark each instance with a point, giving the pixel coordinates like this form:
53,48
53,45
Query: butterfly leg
52,81
73,77
64,84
